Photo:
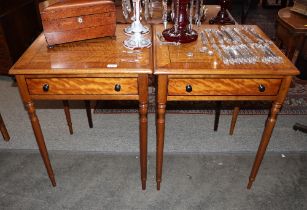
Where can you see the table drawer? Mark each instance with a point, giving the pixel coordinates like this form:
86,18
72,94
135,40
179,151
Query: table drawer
223,86
82,86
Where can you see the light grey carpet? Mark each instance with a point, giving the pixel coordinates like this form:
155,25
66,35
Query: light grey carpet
97,181
119,132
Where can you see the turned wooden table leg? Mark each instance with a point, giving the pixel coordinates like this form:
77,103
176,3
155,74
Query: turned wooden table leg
3,129
269,126
143,110
270,123
160,126
68,117
89,113
35,125
40,140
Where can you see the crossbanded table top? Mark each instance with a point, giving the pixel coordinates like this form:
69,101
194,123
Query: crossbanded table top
85,57
169,59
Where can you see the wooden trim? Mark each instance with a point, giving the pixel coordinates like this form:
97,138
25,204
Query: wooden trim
221,98
85,97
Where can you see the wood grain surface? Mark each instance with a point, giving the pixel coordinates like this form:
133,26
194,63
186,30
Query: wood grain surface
68,21
91,86
223,86
71,23
57,9
59,37
174,60
85,57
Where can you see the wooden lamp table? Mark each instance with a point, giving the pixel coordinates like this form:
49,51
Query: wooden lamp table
205,78
98,69
291,30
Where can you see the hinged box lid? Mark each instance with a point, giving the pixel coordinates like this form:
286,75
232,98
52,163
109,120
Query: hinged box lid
57,9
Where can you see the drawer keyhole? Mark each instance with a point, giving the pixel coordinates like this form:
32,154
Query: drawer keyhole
261,88
188,88
45,87
117,87
80,20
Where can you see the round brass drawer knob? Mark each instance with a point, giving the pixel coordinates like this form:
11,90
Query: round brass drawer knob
117,87
188,88
45,87
261,88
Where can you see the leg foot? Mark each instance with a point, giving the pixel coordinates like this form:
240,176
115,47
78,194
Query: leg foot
53,182
158,185
144,184
250,183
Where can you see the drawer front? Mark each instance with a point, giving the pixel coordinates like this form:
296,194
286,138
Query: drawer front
228,87
82,86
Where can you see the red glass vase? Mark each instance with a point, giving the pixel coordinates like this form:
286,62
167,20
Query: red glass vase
182,33
222,16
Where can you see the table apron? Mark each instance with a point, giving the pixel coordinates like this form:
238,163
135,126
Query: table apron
221,98
85,97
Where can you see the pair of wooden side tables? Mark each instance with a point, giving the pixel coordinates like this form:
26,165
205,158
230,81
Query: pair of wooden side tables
102,69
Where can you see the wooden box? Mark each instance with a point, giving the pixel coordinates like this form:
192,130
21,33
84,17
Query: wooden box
74,20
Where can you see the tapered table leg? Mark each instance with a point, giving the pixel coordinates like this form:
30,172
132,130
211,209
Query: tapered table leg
89,113
67,115
3,129
234,119
269,126
160,126
143,110
217,115
40,140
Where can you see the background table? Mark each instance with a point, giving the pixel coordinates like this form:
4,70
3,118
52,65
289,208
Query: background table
205,78
291,30
98,69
